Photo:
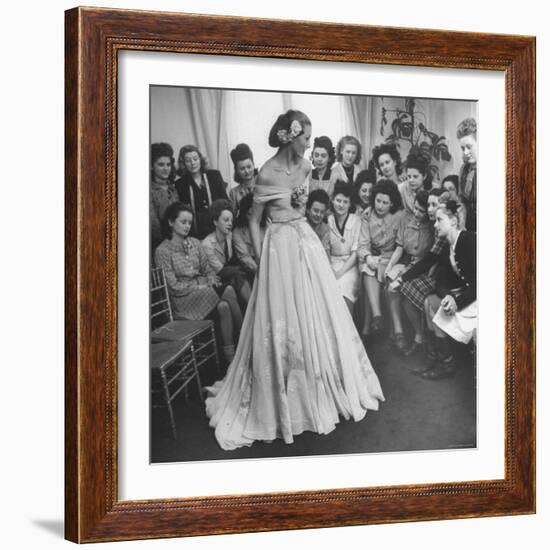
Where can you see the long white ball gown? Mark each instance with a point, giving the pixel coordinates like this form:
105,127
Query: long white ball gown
300,363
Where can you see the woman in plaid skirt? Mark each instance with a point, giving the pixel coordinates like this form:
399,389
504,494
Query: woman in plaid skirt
418,282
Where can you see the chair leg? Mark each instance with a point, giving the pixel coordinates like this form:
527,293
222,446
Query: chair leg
197,376
168,403
215,344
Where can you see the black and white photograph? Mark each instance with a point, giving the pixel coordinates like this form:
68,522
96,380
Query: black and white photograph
312,274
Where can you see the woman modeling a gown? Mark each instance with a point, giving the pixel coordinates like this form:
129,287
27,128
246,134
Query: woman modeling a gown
300,363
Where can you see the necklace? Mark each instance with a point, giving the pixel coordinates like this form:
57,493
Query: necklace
342,228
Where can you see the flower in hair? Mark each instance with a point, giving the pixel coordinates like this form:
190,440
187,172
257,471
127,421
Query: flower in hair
286,136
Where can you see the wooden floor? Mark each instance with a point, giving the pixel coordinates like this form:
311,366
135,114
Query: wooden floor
418,414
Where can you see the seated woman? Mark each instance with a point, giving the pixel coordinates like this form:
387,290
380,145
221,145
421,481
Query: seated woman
415,238
418,177
322,158
363,187
387,161
242,240
343,240
348,155
377,243
418,282
218,247
194,288
163,192
317,208
199,187
245,175
452,310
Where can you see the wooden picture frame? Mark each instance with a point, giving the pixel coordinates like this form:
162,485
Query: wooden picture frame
93,39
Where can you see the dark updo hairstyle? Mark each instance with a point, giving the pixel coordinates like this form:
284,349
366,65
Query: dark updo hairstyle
343,188
318,195
420,162
283,122
468,127
348,140
388,149
365,176
171,215
192,149
240,153
389,188
159,150
324,142
421,197
436,191
451,206
453,178
217,207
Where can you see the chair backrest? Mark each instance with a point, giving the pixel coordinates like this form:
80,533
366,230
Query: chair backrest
161,310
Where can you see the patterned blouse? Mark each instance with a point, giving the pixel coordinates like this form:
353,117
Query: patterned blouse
185,265
188,277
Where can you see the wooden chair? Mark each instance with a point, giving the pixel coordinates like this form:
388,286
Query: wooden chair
166,329
173,367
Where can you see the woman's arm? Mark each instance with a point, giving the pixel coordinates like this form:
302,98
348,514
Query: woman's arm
255,231
243,253
208,248
395,257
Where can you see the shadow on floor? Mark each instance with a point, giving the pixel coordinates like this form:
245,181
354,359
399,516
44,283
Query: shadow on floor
53,526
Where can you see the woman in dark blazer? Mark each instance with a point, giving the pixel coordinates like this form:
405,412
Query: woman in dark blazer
452,311
199,187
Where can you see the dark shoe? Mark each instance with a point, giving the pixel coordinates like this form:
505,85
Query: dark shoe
377,324
400,342
421,369
445,369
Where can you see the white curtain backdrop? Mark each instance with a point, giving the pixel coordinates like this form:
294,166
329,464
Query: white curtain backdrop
217,120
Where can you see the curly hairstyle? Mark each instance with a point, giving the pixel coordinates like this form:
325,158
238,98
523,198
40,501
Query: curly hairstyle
159,150
418,161
389,188
365,176
241,152
388,149
453,178
421,197
219,206
468,127
324,142
318,195
171,215
436,191
343,188
192,149
450,205
349,140
283,122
